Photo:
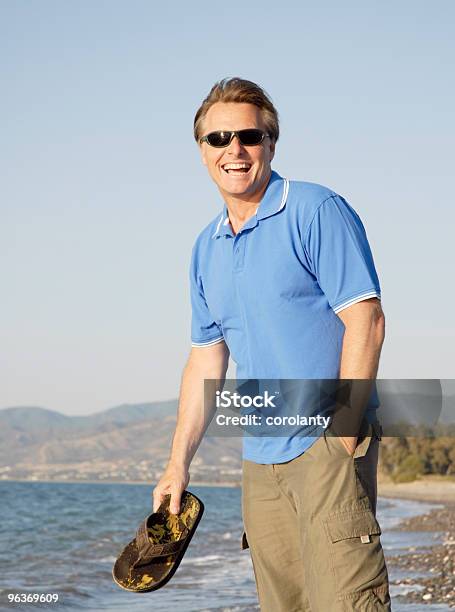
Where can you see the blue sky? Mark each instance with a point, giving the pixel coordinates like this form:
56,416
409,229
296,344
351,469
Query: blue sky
102,191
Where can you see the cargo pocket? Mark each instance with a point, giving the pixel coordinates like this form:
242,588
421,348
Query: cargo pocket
366,601
245,544
355,551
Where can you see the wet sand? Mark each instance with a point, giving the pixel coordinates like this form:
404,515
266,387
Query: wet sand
436,491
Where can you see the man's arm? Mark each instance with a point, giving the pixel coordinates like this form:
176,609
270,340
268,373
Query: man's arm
363,337
193,418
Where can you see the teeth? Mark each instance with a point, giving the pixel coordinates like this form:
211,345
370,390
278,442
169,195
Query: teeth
236,166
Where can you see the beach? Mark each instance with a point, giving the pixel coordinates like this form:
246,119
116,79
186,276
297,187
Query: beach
427,573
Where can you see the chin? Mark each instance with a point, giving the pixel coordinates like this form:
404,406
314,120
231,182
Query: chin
237,185
238,190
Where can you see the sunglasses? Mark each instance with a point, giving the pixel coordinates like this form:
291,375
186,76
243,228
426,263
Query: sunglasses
248,138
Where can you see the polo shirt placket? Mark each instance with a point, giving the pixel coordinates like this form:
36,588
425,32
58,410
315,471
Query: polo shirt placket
238,261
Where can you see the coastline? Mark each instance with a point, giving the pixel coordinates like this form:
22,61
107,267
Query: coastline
437,491
428,572
226,484
426,490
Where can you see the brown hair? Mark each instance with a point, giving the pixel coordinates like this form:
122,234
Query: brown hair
239,90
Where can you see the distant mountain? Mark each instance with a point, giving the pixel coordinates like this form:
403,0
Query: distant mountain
32,418
127,442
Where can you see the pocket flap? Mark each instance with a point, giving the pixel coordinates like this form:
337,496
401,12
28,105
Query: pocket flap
352,525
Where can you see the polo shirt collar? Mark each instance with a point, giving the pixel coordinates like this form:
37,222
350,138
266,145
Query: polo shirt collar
274,198
273,201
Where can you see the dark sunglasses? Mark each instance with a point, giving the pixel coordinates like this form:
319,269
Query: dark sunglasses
248,138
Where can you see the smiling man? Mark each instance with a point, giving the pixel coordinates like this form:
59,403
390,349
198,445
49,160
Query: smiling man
283,280
240,171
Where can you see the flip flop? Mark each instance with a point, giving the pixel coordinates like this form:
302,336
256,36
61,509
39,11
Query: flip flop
150,560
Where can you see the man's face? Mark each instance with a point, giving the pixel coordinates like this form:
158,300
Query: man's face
251,180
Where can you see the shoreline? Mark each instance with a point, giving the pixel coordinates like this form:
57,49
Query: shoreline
437,491
222,484
429,571
432,491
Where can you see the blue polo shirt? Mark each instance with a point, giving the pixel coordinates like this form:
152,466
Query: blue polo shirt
272,291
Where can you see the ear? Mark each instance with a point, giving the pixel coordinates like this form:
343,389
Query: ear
271,150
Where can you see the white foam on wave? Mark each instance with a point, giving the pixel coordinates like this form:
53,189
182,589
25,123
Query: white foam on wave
206,559
107,560
404,589
233,609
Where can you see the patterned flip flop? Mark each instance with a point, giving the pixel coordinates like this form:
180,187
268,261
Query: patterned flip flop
150,560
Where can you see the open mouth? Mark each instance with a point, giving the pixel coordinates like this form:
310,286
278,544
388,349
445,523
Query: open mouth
236,169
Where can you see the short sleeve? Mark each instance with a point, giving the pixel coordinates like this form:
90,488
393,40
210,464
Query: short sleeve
340,256
204,330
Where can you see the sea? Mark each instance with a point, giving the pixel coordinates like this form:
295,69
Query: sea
63,538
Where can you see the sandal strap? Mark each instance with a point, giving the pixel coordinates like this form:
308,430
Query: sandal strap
148,550
142,534
158,550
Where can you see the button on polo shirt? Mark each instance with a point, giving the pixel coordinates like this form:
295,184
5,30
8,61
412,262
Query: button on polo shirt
272,292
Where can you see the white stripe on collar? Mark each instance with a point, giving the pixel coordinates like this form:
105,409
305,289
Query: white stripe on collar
218,226
285,194
284,197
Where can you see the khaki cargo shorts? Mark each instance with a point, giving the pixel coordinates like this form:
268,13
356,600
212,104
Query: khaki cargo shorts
312,532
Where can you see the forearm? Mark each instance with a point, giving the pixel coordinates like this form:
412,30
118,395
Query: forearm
195,412
362,343
361,351
360,361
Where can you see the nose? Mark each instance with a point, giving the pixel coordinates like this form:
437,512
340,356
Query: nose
235,147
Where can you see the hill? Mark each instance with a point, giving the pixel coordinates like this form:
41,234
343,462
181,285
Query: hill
126,442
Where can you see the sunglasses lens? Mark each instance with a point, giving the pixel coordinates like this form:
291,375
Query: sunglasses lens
248,138
219,139
252,137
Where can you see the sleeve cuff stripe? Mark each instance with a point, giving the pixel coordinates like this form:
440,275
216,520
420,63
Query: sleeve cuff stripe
359,298
210,342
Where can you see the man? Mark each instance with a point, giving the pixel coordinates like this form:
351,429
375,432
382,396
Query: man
284,281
